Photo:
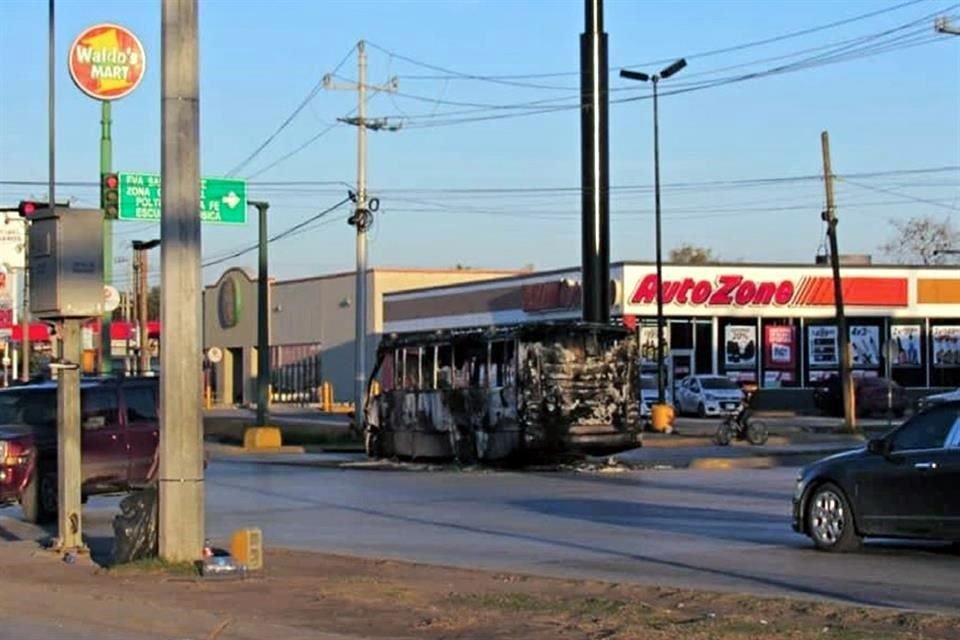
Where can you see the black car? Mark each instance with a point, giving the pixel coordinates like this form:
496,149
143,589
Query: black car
905,484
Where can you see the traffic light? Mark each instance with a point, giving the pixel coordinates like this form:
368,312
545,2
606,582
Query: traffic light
109,196
27,208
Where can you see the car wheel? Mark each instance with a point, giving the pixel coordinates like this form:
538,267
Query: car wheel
830,520
701,411
39,500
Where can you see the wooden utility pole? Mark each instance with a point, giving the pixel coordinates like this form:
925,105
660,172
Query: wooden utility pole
181,525
362,218
830,217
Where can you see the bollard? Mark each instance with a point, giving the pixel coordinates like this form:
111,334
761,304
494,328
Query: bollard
661,418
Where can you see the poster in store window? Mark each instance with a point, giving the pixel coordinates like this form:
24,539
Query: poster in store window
865,347
822,347
906,345
781,347
946,346
741,346
648,345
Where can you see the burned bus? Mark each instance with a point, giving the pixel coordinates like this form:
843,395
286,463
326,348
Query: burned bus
504,394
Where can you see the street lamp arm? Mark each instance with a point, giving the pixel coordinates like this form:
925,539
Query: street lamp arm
673,68
634,75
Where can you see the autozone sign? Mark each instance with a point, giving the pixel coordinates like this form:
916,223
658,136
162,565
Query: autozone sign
736,290
723,291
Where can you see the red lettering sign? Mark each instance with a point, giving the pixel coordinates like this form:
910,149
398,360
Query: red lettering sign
726,290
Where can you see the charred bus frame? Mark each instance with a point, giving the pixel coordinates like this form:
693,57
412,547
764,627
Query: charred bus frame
502,394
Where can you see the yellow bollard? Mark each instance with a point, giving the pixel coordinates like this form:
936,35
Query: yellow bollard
327,397
661,418
208,396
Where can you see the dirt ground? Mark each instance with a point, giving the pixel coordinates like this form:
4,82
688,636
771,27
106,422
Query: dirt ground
304,595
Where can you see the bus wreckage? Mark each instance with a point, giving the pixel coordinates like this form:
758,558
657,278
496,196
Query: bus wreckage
504,394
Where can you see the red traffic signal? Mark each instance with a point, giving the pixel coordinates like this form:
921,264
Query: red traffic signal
109,196
28,208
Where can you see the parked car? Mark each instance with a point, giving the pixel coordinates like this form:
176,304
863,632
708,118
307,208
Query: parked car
926,402
119,437
902,485
648,395
708,395
870,397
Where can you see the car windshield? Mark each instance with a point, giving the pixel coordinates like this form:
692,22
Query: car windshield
718,383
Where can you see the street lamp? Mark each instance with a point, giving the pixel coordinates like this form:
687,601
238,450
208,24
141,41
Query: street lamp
655,79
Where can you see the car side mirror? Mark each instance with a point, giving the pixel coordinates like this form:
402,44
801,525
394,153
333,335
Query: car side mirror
879,446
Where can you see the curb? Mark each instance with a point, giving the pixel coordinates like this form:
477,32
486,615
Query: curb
729,464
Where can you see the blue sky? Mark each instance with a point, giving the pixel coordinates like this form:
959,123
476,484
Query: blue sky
893,104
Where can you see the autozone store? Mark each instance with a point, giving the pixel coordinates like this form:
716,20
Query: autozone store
770,324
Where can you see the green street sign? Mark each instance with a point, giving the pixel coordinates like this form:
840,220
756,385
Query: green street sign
222,200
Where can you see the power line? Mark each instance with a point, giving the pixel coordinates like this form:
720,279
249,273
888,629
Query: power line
310,96
297,228
504,79
898,194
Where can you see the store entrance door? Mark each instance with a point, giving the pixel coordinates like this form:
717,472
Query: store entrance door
682,364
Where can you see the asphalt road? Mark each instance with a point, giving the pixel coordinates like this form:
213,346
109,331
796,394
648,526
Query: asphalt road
725,530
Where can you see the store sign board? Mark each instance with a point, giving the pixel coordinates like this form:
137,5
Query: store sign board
729,289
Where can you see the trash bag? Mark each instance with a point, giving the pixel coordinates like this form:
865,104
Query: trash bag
135,527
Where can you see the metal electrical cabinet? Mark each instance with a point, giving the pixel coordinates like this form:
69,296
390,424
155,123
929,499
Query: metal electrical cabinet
66,263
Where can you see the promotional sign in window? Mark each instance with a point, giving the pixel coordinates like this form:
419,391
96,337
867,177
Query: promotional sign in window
741,346
906,350
781,347
822,347
865,347
648,345
946,346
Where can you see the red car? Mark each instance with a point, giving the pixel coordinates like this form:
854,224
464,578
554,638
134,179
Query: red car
871,397
120,432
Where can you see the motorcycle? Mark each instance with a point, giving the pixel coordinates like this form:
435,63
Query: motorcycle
739,425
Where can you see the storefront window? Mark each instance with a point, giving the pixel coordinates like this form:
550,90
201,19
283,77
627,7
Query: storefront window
945,354
908,362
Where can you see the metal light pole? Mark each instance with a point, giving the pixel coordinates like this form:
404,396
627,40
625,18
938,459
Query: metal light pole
140,249
594,167
655,79
263,318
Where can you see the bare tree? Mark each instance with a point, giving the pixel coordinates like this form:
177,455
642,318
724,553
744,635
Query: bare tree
692,254
922,240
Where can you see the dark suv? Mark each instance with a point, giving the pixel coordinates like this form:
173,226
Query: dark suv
120,432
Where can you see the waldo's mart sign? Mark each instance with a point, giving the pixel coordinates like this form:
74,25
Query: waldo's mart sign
758,291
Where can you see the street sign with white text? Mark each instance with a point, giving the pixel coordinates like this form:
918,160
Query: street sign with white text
222,200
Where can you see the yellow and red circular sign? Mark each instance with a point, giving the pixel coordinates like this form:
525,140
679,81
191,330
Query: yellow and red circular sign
107,62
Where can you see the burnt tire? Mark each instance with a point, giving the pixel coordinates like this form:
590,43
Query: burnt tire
39,499
830,520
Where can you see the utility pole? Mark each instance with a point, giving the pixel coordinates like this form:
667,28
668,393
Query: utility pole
362,218
181,524
942,25
829,216
141,273
594,167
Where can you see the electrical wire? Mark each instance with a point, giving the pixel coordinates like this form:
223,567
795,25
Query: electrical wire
300,227
454,75
899,194
303,104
